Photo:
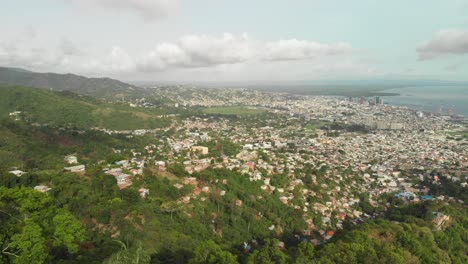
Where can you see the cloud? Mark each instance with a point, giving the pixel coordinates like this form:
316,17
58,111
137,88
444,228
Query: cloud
147,9
206,50
294,49
231,54
69,48
451,41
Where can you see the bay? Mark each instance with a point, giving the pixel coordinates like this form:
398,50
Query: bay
432,98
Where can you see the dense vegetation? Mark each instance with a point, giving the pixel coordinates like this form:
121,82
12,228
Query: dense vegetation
40,147
119,226
68,109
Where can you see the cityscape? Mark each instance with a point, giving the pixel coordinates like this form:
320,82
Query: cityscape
225,132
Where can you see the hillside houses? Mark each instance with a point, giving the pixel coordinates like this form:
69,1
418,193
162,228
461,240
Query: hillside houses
75,169
17,173
301,156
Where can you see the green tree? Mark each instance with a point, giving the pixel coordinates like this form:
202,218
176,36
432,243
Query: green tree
133,255
268,254
68,231
29,245
209,252
304,253
171,207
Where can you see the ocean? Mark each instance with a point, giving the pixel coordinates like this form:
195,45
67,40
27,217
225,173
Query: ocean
432,98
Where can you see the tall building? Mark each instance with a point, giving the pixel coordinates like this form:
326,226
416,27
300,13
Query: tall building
363,100
382,124
369,122
378,100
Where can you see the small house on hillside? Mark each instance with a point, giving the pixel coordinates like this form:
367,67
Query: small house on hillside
200,149
78,168
71,159
42,188
17,173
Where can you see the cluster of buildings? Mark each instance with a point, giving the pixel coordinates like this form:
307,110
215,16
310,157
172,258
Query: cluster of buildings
327,173
344,166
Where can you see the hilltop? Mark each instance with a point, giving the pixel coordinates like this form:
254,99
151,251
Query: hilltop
96,87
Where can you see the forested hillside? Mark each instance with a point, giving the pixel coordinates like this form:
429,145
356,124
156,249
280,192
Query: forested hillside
40,147
118,226
71,110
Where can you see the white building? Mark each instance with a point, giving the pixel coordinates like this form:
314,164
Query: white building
78,168
71,159
17,173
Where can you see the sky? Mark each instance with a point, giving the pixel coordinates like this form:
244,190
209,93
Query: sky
238,40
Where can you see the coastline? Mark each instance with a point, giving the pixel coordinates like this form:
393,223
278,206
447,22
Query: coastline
441,100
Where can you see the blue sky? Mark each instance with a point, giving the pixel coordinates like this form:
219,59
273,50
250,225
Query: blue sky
220,40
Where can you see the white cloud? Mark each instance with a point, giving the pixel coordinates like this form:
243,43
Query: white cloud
69,48
451,41
148,9
116,61
206,50
29,57
294,49
230,54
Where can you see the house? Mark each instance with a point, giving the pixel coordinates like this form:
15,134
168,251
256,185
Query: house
185,199
123,163
281,245
17,173
71,159
160,163
248,147
114,172
122,178
42,188
284,199
341,216
78,168
329,234
250,165
178,186
139,132
200,149
426,197
143,192
407,195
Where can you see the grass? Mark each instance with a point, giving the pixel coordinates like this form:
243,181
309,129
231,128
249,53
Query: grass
463,134
232,110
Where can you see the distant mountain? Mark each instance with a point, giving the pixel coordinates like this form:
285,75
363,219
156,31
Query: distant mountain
96,87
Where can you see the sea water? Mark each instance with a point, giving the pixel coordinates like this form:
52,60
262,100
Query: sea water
432,98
